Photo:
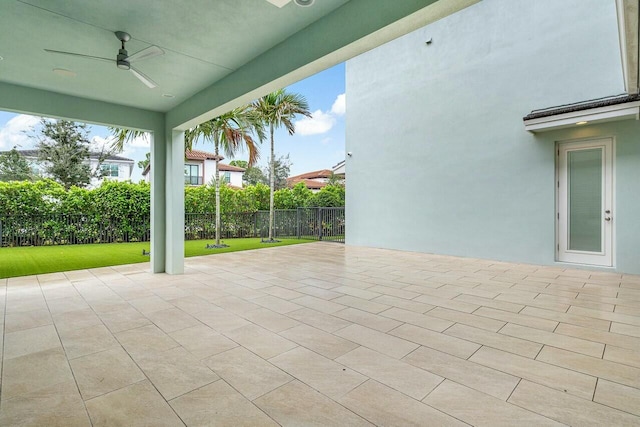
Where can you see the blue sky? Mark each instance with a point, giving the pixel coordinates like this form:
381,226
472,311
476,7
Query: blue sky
317,144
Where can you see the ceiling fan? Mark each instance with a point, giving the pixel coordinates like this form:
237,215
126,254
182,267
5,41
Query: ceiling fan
124,60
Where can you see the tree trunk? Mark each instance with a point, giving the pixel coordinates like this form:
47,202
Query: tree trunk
217,181
272,184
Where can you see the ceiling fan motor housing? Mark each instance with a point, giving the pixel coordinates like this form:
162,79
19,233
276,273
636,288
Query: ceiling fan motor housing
121,60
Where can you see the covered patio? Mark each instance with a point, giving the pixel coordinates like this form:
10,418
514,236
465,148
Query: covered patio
322,334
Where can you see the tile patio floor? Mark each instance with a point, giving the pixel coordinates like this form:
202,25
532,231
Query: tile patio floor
322,334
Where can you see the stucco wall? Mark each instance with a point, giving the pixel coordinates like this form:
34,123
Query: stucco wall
444,121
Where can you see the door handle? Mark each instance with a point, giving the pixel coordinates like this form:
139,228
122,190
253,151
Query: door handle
607,218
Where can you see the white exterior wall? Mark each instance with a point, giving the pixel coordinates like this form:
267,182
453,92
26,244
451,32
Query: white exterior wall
463,177
210,169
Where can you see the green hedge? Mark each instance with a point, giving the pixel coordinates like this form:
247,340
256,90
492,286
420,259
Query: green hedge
23,199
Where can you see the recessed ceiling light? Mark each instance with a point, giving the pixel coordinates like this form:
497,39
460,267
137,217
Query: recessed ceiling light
581,123
64,73
168,95
304,3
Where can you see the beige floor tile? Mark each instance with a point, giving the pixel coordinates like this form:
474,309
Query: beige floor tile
618,396
470,374
363,318
35,371
319,341
405,304
202,341
318,304
235,305
490,303
400,293
26,320
218,404
396,374
138,405
568,409
58,405
452,304
270,320
222,320
528,299
467,319
27,341
518,319
276,304
417,319
578,345
622,355
296,404
192,304
556,377
384,406
175,372
357,292
597,367
326,322
361,304
604,337
624,329
573,319
259,340
122,320
104,372
146,339
391,345
249,374
280,292
78,319
325,375
80,342
150,304
495,340
479,409
607,315
575,302
325,294
445,343
172,319
72,303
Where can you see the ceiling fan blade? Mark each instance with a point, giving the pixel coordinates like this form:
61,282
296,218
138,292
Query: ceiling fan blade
147,53
143,78
79,55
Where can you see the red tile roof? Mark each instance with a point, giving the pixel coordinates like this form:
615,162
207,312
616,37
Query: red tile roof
324,173
229,168
309,183
200,155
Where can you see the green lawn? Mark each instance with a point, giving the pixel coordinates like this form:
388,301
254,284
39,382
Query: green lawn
25,261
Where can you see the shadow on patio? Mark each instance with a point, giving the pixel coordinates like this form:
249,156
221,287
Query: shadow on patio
322,334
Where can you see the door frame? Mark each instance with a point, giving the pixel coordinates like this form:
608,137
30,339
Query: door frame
561,253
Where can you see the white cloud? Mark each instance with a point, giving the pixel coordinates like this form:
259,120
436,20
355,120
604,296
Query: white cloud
317,124
339,105
14,132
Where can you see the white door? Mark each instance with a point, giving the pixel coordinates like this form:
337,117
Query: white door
585,202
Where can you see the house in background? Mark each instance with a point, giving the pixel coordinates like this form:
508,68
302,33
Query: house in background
200,168
114,168
314,181
339,170
560,188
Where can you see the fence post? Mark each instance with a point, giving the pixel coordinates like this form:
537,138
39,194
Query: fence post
319,223
297,223
0,233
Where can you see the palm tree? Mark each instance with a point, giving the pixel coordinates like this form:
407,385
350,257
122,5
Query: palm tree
228,132
278,109
124,136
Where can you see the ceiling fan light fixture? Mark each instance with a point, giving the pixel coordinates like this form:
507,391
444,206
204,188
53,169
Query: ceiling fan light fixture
304,3
123,65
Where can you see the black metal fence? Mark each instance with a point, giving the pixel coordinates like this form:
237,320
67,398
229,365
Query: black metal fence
302,223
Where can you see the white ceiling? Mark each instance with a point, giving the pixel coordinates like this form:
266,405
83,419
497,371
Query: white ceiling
215,50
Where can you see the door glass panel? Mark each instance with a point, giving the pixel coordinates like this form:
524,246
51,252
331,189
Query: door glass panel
585,200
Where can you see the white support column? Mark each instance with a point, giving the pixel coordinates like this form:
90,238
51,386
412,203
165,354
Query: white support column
174,180
158,200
